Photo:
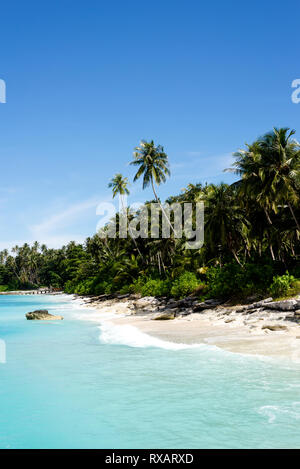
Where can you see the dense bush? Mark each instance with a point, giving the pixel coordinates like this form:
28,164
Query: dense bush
156,287
281,284
151,287
234,280
185,284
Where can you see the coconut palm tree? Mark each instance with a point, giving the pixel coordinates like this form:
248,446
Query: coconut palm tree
119,185
270,171
281,161
153,166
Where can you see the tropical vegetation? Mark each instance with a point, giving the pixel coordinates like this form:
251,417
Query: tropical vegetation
251,235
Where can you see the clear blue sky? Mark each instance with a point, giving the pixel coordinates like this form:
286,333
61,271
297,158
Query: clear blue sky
87,80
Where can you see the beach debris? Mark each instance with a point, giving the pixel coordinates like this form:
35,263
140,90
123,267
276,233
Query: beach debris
42,315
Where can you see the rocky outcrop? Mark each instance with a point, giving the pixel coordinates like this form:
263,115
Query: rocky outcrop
42,315
212,303
284,305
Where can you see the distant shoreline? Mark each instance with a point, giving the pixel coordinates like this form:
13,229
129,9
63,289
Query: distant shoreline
32,292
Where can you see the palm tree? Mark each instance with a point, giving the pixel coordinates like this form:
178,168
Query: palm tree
153,166
281,157
119,185
270,170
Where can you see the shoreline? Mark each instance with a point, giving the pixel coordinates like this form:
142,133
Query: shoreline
224,327
237,329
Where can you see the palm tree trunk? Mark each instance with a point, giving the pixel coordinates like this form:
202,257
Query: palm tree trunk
236,257
272,253
294,216
268,217
162,209
270,223
158,261
162,262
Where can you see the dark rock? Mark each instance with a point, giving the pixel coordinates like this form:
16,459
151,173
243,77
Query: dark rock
285,305
199,307
163,316
213,302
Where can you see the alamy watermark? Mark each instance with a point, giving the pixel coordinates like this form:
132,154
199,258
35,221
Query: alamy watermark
2,352
155,221
2,91
296,93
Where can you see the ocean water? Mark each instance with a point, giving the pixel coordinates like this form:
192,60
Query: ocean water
80,384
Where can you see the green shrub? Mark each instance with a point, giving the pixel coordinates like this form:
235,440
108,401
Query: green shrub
232,280
138,284
125,289
281,285
156,287
187,283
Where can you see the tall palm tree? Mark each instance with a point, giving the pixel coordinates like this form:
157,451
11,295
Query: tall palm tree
153,166
119,185
281,157
270,170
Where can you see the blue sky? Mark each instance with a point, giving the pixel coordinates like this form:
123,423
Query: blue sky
87,80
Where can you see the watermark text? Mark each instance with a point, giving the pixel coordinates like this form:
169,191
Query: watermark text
2,91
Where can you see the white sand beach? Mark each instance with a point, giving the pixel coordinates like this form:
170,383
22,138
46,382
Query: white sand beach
233,331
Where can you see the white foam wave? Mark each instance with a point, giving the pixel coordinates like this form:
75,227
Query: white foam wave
272,412
125,334
133,337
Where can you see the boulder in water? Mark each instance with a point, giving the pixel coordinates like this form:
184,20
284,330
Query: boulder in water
42,315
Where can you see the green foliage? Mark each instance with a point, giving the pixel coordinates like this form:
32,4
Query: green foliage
187,283
156,287
234,280
125,289
150,286
251,234
138,284
4,288
281,285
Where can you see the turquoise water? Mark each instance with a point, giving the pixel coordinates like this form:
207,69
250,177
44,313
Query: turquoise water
66,384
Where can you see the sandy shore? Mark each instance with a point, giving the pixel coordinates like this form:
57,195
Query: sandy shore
233,331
